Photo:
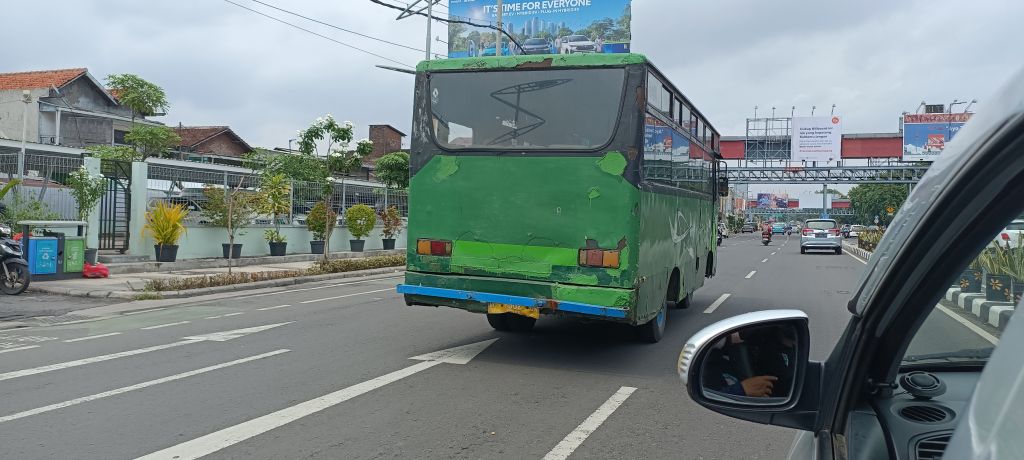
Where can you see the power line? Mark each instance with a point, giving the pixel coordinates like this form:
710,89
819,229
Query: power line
337,27
317,34
453,21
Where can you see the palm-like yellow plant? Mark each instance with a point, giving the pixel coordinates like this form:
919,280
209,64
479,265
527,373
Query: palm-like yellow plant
164,223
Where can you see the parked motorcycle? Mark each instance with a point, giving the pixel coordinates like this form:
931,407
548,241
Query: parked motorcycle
15,276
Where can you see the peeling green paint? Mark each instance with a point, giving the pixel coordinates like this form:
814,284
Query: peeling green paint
593,193
511,62
448,166
612,163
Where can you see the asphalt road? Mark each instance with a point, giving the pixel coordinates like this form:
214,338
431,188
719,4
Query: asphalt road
324,371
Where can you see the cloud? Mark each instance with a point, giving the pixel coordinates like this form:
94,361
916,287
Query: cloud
221,64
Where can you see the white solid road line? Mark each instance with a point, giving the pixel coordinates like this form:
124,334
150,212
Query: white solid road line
855,257
717,303
215,337
145,311
235,314
137,386
974,328
159,326
273,308
750,275
346,295
213,442
574,439
317,287
763,261
90,337
27,347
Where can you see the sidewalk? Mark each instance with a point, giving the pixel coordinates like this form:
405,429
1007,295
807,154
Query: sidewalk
130,285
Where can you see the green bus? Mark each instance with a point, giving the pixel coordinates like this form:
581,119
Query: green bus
579,185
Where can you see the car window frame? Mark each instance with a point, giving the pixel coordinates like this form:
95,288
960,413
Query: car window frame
953,217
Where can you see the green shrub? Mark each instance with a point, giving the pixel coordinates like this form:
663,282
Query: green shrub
318,220
360,220
154,286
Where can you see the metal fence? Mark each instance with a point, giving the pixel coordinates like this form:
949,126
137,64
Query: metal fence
43,194
185,185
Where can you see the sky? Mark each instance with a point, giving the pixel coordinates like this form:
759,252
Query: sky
223,65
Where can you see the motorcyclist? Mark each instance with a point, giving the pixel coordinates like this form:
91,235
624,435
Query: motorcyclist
766,232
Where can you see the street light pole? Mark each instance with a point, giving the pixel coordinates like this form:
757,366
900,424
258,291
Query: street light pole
430,20
497,34
26,97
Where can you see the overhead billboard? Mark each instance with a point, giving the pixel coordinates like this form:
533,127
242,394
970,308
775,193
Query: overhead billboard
925,134
817,138
542,27
772,201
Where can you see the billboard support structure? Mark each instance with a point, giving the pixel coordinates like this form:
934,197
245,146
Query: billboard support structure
767,139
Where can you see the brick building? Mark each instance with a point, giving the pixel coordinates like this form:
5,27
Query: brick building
211,143
386,139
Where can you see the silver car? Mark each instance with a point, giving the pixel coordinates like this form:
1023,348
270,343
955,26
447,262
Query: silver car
821,234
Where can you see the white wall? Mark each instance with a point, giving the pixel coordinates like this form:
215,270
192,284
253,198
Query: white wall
204,241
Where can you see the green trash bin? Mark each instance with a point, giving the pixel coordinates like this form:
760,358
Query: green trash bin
74,254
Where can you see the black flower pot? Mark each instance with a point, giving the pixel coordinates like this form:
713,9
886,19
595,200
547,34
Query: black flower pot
316,247
236,250
389,243
166,252
997,288
278,249
1017,291
357,245
970,280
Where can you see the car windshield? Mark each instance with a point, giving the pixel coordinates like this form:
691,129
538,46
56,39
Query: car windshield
541,109
535,41
1016,225
821,224
577,38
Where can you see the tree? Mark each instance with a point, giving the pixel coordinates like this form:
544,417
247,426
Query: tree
339,160
232,208
870,200
299,167
275,199
142,97
114,152
393,170
152,141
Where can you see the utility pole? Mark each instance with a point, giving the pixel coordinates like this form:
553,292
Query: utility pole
430,21
497,34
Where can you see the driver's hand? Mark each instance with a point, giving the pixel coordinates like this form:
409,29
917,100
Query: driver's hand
759,386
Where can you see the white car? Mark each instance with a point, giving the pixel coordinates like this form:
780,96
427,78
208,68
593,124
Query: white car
855,230
577,44
821,234
1012,236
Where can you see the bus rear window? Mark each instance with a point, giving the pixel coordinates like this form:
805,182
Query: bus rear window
536,109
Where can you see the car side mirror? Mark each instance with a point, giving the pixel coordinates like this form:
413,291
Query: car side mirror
754,367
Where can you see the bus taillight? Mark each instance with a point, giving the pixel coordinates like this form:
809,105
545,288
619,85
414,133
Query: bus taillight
427,247
602,258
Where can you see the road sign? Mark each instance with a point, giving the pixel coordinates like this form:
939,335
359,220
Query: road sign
890,210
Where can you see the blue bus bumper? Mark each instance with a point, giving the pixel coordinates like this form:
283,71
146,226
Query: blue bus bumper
487,297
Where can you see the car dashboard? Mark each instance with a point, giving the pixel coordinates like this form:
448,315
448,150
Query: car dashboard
902,426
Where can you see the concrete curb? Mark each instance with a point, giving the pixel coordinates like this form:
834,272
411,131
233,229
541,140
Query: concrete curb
863,254
192,264
995,314
218,289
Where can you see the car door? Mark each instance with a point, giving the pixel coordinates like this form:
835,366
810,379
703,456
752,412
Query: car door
855,404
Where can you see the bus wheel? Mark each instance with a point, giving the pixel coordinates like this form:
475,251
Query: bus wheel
510,322
685,303
653,330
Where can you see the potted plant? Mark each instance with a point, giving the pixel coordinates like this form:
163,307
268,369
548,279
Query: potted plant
970,279
319,221
994,260
360,220
87,191
275,199
392,221
164,224
233,209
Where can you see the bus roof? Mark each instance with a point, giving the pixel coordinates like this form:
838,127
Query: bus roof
531,60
